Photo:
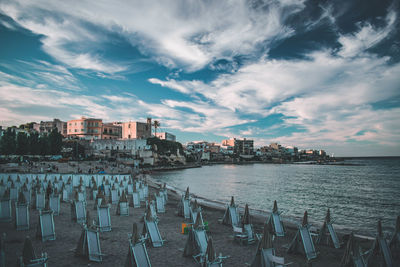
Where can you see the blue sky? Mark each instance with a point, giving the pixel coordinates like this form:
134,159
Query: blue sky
314,74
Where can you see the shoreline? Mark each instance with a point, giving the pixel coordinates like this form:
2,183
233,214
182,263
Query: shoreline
258,214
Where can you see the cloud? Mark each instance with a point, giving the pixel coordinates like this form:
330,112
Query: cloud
178,33
367,36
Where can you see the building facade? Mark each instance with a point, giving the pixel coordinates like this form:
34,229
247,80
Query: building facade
85,128
135,130
166,136
111,131
48,126
240,146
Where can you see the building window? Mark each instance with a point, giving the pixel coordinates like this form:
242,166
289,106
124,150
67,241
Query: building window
129,125
76,130
75,123
81,122
129,136
97,124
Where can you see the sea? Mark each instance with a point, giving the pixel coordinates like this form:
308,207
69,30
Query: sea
358,193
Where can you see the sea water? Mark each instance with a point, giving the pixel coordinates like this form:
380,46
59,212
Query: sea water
357,195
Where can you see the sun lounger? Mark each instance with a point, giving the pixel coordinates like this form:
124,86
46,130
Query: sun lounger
89,245
46,229
201,242
5,210
334,237
21,216
385,251
114,196
277,223
78,211
244,235
160,204
123,209
54,203
104,220
152,233
307,243
38,262
40,201
136,200
137,255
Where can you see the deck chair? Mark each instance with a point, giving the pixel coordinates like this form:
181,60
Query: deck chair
40,201
184,208
29,258
160,203
327,234
54,202
122,206
45,229
135,200
13,194
352,255
104,220
210,259
78,211
394,243
114,196
302,242
89,245
152,233
201,239
379,254
137,255
270,259
276,221
21,216
65,195
245,234
231,215
5,210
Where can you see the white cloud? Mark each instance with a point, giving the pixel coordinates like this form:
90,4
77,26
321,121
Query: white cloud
367,36
178,33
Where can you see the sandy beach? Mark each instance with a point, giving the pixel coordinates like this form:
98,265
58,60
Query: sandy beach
114,244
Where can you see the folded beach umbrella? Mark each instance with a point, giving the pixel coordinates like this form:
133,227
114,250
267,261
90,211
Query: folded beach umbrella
21,198
394,243
379,254
198,223
187,193
28,253
123,197
135,234
246,215
266,240
305,219
210,255
275,208
265,243
351,254
232,202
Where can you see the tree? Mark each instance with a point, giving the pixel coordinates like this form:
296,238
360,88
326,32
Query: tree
8,142
44,145
165,146
55,142
23,147
34,143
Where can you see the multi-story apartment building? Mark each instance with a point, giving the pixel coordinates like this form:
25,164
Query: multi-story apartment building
111,131
85,128
240,146
48,126
135,130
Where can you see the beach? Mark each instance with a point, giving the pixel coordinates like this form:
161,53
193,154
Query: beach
115,244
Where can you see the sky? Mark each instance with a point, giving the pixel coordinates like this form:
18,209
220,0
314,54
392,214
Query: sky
311,74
